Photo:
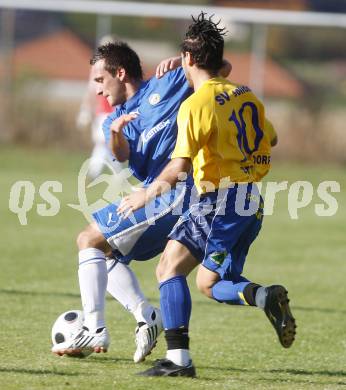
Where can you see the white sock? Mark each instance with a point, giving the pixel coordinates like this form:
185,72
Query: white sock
124,287
92,275
261,296
144,312
180,357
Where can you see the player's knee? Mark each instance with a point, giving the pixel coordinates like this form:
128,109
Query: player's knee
82,240
204,288
158,272
165,269
89,238
205,280
161,269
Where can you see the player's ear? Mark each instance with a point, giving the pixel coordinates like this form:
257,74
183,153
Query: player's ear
189,59
121,73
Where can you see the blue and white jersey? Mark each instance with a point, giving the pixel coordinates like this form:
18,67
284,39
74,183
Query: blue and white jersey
152,135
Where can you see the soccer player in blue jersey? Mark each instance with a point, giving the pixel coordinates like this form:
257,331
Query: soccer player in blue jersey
142,129
222,137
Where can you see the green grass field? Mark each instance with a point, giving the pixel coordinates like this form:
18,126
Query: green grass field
232,347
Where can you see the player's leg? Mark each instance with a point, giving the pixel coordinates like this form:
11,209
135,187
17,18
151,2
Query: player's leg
141,237
223,282
211,285
175,265
219,277
124,287
127,241
183,253
92,274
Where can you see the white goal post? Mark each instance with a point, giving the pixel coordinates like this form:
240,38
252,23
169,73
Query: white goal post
180,11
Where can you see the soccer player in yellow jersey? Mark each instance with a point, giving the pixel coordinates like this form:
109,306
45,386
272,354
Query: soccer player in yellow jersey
224,138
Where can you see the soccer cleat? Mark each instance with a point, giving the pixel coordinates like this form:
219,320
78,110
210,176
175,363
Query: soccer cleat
146,336
84,343
279,314
165,367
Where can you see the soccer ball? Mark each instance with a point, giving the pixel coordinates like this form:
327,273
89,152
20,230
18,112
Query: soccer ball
67,325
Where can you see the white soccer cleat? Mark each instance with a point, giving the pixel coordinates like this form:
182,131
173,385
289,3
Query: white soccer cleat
84,343
146,336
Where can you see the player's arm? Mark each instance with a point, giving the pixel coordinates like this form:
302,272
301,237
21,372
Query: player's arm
167,65
191,137
274,141
163,183
169,177
118,143
269,129
174,62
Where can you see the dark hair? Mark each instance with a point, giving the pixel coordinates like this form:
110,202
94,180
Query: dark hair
119,54
204,40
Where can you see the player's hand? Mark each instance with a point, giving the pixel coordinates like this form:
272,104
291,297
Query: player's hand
119,123
167,65
132,202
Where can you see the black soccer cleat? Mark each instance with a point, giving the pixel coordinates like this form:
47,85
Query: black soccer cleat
165,367
279,314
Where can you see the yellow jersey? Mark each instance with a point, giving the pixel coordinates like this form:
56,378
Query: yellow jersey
223,130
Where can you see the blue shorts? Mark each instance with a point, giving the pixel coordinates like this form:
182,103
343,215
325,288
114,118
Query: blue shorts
144,234
219,230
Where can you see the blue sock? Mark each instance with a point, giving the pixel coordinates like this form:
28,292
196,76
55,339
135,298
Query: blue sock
230,292
175,301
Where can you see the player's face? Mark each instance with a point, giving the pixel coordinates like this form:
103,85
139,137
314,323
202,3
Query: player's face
112,88
184,64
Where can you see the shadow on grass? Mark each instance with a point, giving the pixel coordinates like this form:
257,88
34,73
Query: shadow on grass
96,359
318,309
39,293
293,372
307,372
38,372
296,381
44,294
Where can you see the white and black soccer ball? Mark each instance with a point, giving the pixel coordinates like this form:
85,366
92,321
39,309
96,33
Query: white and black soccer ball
67,325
